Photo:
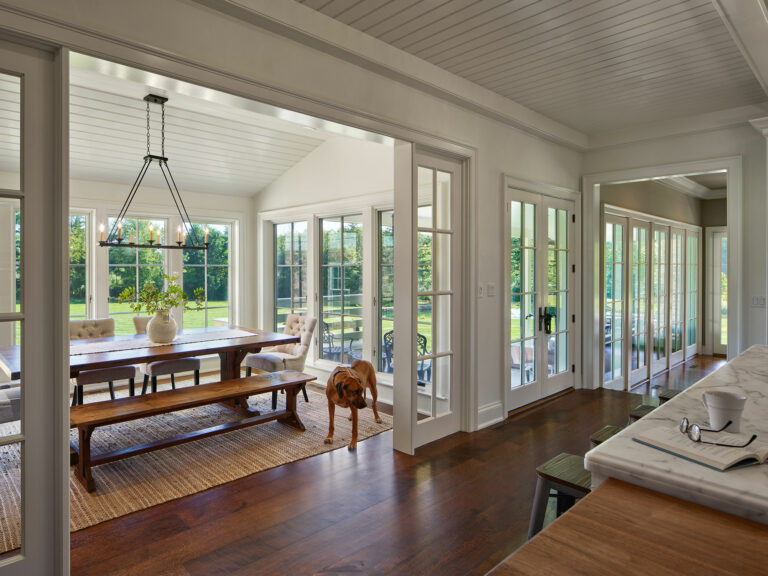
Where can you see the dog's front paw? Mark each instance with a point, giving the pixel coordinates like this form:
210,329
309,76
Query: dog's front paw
352,447
379,421
329,440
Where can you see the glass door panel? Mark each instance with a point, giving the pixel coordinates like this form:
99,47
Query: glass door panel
639,277
659,299
691,293
676,296
539,296
614,297
720,292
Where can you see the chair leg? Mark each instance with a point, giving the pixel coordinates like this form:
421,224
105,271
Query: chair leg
173,382
539,508
146,382
274,399
154,384
247,371
80,395
304,390
131,387
111,391
197,377
74,395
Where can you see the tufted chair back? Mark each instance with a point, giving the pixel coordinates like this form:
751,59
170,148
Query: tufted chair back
96,328
296,325
140,324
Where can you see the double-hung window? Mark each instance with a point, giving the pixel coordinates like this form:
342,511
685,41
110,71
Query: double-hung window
134,267
209,270
79,289
290,271
341,305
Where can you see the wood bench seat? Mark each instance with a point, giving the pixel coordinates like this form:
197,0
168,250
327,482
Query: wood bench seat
231,393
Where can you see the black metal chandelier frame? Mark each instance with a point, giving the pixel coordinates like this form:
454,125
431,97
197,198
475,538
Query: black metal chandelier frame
115,236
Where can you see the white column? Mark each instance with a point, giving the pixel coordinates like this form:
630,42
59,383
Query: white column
761,125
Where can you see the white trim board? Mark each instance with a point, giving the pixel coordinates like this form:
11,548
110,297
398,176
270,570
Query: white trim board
591,229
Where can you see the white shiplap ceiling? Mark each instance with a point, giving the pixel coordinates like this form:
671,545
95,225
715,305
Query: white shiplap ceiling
594,65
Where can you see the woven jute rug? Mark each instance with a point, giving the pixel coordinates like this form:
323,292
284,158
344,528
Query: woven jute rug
148,479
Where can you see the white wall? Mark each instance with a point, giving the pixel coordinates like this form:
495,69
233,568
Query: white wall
742,141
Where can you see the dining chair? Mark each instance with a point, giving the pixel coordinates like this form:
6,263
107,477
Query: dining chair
98,328
163,367
286,356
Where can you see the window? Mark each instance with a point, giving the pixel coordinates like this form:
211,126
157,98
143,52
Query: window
614,301
341,305
78,266
209,270
386,299
290,271
134,267
692,308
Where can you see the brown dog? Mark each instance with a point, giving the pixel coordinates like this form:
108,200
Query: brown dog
347,388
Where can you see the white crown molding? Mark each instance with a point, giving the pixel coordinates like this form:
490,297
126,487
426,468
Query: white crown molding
688,187
309,27
761,125
700,123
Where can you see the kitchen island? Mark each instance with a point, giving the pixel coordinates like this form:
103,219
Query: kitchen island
743,491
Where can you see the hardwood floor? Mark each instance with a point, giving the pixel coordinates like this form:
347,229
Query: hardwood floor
460,506
682,376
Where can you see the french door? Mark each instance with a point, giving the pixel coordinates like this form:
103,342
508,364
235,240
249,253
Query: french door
676,296
659,299
33,288
614,301
539,296
718,278
639,264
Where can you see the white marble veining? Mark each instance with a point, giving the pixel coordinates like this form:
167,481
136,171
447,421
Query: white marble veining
743,491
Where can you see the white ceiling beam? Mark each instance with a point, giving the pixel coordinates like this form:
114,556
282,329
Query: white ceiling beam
747,21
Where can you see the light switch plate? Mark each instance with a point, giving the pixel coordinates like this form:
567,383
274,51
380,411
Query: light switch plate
490,289
758,301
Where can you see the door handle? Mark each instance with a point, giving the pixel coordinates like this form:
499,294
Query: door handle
542,316
545,318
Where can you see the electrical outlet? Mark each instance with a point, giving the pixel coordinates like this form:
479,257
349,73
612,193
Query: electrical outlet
490,289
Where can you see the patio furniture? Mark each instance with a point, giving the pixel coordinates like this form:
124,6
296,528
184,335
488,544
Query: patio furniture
233,393
424,369
98,328
286,356
528,363
164,367
331,350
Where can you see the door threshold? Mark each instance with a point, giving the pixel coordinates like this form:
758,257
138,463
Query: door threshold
539,402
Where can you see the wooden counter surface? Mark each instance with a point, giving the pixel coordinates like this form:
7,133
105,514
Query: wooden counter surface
623,529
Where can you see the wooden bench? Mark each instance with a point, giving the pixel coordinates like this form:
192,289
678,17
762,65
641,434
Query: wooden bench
231,393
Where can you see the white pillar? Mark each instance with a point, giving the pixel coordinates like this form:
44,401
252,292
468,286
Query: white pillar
761,125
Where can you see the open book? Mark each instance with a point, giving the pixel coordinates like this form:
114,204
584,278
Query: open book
670,439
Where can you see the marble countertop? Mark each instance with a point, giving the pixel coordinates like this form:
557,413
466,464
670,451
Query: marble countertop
743,492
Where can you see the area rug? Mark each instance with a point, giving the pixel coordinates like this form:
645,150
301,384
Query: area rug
149,479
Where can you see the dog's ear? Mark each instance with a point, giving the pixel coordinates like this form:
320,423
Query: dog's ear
339,388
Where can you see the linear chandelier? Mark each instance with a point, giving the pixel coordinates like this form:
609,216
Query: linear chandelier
187,238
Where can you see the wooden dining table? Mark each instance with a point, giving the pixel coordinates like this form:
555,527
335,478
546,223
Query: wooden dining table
231,343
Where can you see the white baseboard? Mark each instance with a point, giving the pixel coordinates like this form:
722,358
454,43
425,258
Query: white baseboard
490,414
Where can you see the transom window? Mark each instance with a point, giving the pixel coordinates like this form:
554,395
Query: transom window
209,270
290,271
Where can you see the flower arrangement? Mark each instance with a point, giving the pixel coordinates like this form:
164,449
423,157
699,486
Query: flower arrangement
152,300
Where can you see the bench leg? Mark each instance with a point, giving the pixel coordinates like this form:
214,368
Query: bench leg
274,399
83,470
111,391
292,418
304,390
197,377
131,387
539,508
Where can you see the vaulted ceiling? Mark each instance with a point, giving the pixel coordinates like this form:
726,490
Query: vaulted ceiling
593,65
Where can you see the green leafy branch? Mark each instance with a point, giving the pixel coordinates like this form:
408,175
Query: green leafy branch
150,299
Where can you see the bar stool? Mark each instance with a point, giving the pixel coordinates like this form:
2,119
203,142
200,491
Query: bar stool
603,434
565,474
667,395
639,411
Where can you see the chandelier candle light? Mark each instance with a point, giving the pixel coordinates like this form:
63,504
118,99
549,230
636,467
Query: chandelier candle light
187,238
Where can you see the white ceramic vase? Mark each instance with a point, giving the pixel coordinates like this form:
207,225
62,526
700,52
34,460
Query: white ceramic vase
162,327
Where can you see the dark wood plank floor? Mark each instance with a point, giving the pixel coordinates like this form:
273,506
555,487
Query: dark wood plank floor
460,506
682,376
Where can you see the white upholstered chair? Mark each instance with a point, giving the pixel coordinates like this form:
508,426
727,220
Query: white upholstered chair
98,328
164,367
286,356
